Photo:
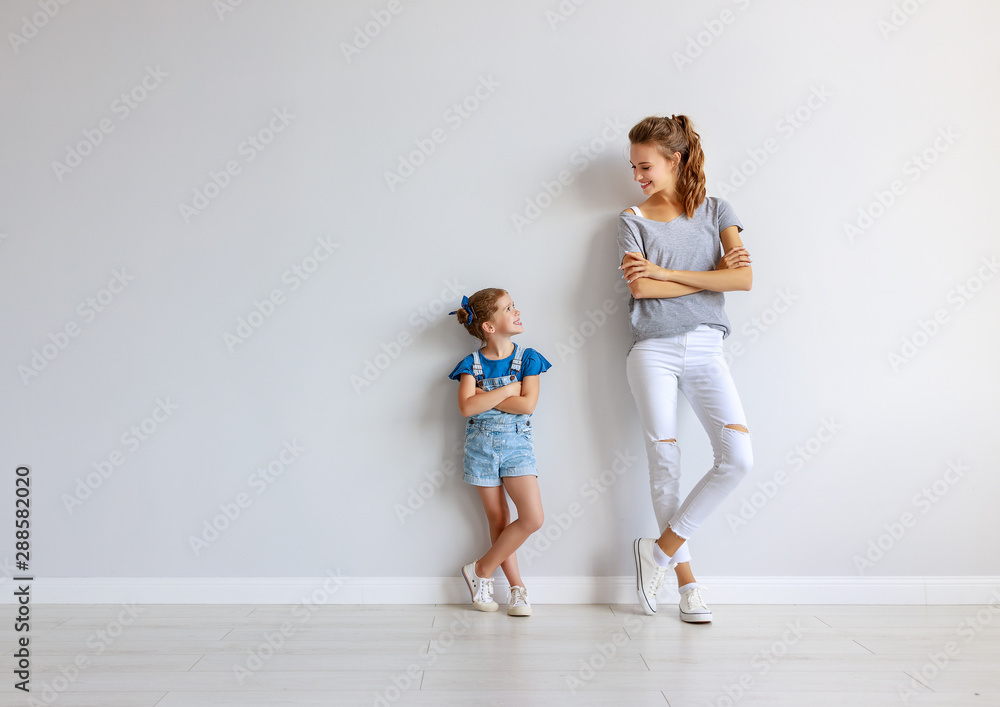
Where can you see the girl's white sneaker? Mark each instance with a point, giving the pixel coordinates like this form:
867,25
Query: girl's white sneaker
517,602
481,588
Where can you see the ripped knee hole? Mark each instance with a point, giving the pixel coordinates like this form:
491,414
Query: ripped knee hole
668,440
741,428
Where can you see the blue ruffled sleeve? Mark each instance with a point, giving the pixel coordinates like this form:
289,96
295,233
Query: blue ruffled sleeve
533,363
464,366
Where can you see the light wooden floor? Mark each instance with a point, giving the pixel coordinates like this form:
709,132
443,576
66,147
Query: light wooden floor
171,655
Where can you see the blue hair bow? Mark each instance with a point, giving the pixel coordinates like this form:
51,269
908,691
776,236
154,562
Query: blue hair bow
467,306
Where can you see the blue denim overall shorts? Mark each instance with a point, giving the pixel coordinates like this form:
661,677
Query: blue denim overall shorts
497,444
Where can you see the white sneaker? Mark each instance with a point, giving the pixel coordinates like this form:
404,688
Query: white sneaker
694,610
649,576
517,602
481,588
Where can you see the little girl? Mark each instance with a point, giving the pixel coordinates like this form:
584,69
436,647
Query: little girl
497,391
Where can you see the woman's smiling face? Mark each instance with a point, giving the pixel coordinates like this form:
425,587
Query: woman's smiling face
652,170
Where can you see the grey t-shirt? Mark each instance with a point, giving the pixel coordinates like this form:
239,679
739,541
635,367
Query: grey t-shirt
682,244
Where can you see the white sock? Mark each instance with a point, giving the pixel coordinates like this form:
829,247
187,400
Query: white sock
661,558
687,587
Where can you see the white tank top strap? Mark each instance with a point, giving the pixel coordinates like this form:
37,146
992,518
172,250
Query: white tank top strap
637,212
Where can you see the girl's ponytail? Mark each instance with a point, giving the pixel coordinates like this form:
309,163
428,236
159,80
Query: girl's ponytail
465,316
480,309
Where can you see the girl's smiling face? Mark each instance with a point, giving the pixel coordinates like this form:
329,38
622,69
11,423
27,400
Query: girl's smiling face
507,319
652,170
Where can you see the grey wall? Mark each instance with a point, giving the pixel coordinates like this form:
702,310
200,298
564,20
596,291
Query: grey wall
549,89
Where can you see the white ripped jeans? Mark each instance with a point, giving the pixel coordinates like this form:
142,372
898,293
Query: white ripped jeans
692,362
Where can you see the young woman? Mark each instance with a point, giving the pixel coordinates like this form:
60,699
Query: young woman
498,391
671,253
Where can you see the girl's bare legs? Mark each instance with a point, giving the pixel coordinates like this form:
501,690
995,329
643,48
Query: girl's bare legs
498,516
524,493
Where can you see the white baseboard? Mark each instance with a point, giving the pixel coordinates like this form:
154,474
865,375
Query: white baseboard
334,589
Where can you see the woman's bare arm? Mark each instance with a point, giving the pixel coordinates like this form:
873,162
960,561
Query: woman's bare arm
738,278
733,272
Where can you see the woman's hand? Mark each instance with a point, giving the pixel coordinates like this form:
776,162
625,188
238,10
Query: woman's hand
635,266
738,257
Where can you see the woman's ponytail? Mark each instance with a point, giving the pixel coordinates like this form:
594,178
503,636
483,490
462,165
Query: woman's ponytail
691,179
